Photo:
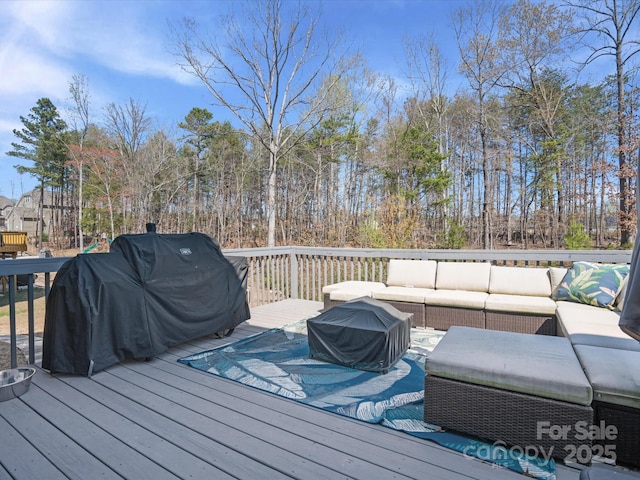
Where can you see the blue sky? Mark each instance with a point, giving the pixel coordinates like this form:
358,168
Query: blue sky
122,48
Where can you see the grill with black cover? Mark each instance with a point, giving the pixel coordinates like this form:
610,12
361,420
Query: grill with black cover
149,293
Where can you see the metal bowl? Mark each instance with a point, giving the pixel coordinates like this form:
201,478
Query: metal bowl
15,382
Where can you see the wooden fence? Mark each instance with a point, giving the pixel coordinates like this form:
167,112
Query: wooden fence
301,272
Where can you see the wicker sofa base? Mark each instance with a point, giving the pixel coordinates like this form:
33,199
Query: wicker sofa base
441,318
521,323
626,444
417,309
505,418
326,298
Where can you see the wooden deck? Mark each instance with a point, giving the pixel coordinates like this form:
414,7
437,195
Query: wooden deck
161,419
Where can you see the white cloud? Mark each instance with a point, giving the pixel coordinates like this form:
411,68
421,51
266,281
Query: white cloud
124,41
37,22
44,43
29,72
128,37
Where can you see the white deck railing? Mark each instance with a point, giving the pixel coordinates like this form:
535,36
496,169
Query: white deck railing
301,272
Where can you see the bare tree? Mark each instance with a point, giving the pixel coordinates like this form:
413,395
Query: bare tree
533,40
428,76
428,70
611,21
157,179
79,89
476,29
266,70
104,165
128,125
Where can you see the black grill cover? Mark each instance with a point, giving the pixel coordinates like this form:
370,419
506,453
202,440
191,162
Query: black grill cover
149,293
364,333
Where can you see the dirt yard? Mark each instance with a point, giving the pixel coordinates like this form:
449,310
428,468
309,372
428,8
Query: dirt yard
22,313
22,323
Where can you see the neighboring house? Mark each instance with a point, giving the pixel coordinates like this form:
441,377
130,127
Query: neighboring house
6,204
23,216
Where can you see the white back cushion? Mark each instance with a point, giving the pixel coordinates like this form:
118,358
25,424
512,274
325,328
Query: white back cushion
619,303
470,276
530,281
556,274
412,273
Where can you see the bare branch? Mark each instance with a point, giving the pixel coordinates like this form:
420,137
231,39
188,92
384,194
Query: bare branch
270,62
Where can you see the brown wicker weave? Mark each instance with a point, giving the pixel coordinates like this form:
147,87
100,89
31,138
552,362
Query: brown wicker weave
627,421
496,415
327,301
521,323
417,309
333,303
442,318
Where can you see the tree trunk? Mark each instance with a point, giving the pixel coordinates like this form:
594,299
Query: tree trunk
625,228
486,223
80,188
271,200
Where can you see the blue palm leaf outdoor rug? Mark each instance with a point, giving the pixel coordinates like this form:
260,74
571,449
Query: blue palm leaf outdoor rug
277,361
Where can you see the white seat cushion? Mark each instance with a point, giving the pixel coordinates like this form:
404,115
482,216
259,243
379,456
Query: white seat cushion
468,276
402,294
532,364
613,373
520,304
457,298
597,326
412,273
350,283
520,281
355,291
585,312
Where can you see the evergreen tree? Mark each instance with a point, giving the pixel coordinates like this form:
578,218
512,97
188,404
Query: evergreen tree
42,142
198,126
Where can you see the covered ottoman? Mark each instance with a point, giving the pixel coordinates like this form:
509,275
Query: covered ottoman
514,389
363,333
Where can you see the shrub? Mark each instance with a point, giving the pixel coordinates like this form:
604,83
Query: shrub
576,238
454,238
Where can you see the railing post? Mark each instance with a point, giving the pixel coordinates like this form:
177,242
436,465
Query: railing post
31,319
12,320
294,273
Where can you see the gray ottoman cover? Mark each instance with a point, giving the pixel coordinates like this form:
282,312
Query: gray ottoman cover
606,472
532,364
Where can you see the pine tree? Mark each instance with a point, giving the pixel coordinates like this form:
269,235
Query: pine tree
42,142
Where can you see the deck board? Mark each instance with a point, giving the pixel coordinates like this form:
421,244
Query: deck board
229,429
83,420
15,449
70,458
160,419
207,437
358,439
299,437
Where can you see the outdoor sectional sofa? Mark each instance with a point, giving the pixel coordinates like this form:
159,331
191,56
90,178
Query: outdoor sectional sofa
474,294
525,301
